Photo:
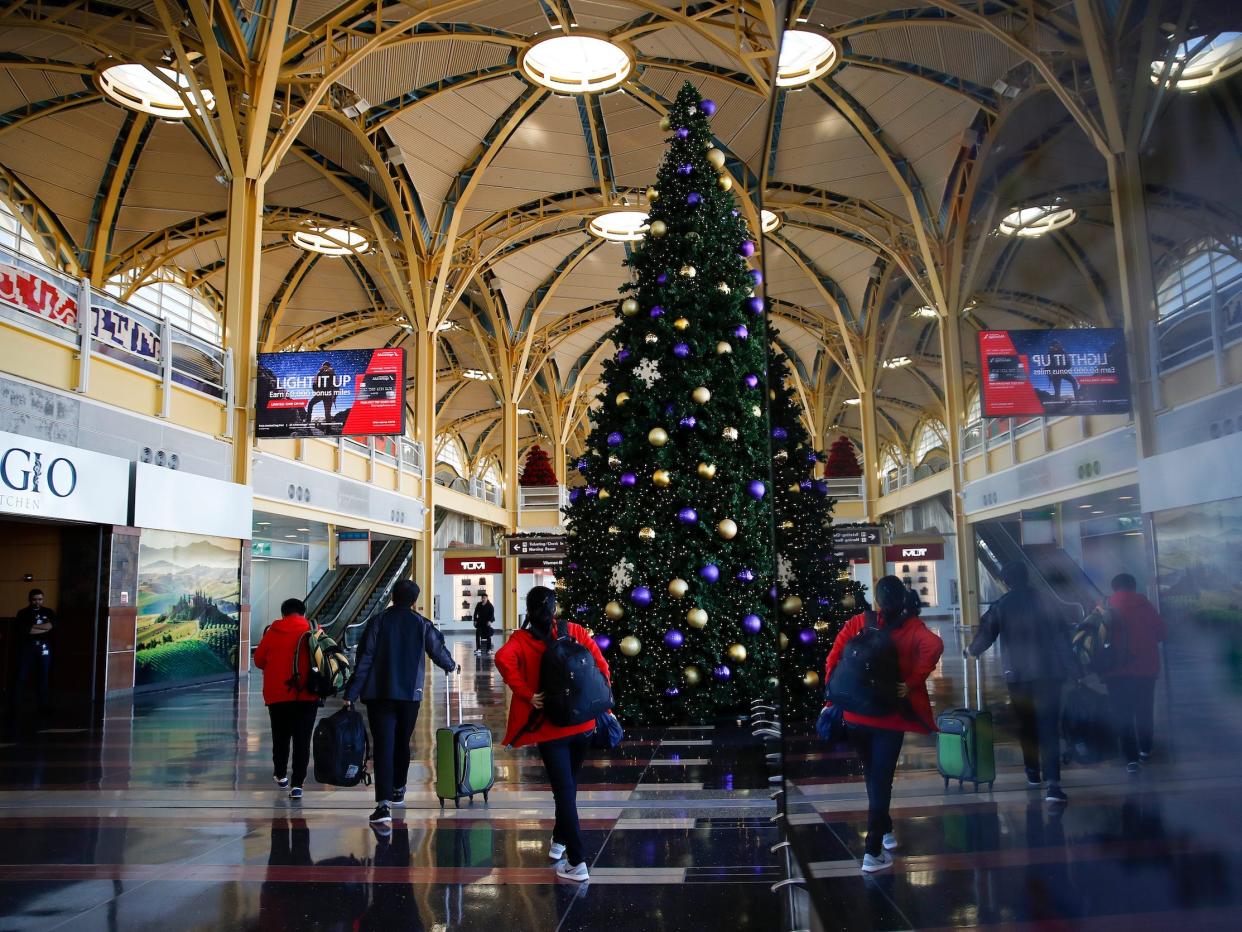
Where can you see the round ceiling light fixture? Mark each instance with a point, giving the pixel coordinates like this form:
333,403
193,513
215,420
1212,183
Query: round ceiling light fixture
576,64
332,241
1037,221
769,220
161,92
1200,61
805,56
620,226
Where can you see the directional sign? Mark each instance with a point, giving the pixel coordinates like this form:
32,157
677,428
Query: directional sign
857,535
530,564
536,546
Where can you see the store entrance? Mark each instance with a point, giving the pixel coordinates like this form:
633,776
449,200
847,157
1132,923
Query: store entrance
66,561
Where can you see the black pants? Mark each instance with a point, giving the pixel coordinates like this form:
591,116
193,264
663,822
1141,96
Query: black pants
481,638
1133,699
563,759
1037,705
392,727
34,662
879,749
292,721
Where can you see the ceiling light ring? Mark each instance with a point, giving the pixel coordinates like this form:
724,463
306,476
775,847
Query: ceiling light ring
157,90
814,55
537,62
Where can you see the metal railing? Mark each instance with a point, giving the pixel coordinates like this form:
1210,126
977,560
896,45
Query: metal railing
541,497
846,489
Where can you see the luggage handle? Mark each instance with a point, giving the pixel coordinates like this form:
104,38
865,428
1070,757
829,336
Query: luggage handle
448,702
978,686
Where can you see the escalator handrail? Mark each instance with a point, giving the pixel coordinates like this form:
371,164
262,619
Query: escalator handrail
1049,588
363,589
387,586
322,592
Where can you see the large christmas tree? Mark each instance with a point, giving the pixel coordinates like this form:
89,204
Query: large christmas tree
815,596
670,554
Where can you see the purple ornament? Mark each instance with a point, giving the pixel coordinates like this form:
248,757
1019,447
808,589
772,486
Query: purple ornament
807,636
779,433
681,350
640,596
772,593
657,311
582,609
722,673
752,381
805,485
603,641
752,623
689,421
668,410
686,169
615,438
674,638
747,248
708,107
812,457
623,354
756,276
573,565
745,575
710,573
733,212
628,479
693,198
755,303
591,490
688,516
672,692
823,601
756,489
661,279
741,332
581,465
683,132
575,494
821,487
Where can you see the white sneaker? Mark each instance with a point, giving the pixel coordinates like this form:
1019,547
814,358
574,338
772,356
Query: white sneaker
578,872
556,851
281,782
890,842
878,862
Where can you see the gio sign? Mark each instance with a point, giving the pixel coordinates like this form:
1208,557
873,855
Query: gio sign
40,479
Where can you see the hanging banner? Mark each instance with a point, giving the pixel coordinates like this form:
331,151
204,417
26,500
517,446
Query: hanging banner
334,393
465,566
29,292
1053,372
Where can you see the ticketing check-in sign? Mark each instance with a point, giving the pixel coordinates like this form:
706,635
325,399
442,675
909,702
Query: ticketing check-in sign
549,546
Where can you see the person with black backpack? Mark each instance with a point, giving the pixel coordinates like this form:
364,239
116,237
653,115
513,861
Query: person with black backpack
877,673
560,683
291,705
388,677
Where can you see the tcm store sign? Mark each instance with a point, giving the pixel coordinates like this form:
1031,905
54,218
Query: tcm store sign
465,566
905,552
40,479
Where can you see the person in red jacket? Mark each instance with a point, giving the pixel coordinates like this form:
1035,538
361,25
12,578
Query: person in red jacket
1132,684
563,749
878,739
291,708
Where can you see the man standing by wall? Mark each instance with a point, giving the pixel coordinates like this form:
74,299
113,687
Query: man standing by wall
35,624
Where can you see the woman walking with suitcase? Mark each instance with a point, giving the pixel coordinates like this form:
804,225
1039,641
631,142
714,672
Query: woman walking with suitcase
563,748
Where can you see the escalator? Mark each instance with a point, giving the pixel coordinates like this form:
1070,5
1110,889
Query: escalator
337,586
366,591
1051,569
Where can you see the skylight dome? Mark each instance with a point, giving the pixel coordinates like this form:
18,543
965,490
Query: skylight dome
1208,61
805,56
332,241
151,90
1036,221
576,64
620,226
769,220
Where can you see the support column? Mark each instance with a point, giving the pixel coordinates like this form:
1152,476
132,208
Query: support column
871,475
241,312
425,432
509,466
954,382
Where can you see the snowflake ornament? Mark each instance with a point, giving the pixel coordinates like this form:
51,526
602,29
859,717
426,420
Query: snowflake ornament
648,372
622,575
784,571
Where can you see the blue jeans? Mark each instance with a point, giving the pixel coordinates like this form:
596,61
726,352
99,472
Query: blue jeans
563,759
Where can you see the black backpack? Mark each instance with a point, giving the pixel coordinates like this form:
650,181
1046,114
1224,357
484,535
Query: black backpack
341,749
574,689
865,680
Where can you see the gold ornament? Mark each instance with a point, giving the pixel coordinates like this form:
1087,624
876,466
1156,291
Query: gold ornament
756,411
773,682
715,158
696,618
780,455
794,488
723,348
792,605
786,525
646,533
629,307
681,323
727,529
651,338
614,461
772,394
737,653
729,433
810,679
658,228
653,195
722,288
847,600
657,436
572,532
661,478
692,675
613,529
622,398
630,646
614,610
665,123
687,271
783,641
603,494
701,395
678,588
725,182
707,470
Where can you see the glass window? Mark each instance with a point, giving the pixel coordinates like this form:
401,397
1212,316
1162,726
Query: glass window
15,238
974,407
449,452
174,302
1207,269
930,436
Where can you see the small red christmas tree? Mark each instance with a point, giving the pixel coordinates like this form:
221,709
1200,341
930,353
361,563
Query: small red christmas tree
537,470
842,460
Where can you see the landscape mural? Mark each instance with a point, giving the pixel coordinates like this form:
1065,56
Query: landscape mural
189,595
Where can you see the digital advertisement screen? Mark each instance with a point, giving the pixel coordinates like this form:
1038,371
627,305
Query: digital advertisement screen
1053,372
335,393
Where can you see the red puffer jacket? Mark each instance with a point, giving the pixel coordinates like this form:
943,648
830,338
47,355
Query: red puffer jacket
1144,629
918,652
518,662
274,656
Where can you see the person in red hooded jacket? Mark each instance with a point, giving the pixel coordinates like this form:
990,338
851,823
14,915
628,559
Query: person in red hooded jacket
1132,684
291,708
563,749
878,739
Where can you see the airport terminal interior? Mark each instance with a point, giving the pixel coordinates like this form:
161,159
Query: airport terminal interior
862,380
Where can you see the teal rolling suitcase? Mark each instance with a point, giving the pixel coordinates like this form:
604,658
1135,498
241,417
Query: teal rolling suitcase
464,764
965,749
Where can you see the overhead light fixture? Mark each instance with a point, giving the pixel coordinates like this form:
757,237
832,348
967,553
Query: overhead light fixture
620,226
1037,221
446,325
853,401
477,374
1086,506
926,312
576,64
523,411
263,524
805,56
304,530
357,108
1125,498
291,537
394,156
332,241
160,91
897,362
769,220
1005,89
1210,59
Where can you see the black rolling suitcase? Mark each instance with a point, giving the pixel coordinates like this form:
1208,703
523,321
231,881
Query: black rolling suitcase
340,749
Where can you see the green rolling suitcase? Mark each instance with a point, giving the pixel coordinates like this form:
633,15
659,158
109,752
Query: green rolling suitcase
965,749
464,764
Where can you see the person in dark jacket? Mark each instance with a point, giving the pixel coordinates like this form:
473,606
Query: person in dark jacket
1139,630
1038,658
878,739
484,617
388,677
291,708
35,630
